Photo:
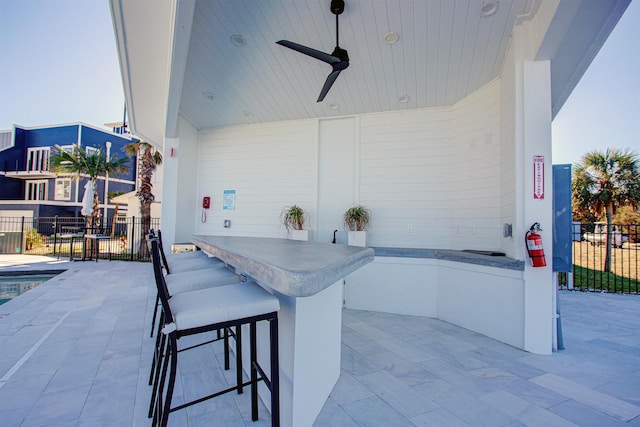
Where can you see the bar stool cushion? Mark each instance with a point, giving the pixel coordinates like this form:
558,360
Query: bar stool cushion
194,264
181,256
200,279
221,304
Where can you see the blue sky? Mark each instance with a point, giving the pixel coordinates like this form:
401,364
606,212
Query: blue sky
59,65
604,108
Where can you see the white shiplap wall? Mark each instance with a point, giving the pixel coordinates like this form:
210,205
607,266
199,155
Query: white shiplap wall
430,176
405,177
269,165
475,177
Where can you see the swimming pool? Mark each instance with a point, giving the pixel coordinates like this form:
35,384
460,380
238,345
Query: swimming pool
17,283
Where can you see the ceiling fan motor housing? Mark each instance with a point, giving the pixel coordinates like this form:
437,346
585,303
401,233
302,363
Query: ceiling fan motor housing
337,7
342,55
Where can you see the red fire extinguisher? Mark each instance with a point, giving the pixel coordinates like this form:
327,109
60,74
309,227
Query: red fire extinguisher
533,242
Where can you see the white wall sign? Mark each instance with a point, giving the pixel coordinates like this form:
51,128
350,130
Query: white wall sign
538,177
229,200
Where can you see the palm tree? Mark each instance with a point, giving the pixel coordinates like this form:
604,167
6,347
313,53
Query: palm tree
602,182
147,163
78,162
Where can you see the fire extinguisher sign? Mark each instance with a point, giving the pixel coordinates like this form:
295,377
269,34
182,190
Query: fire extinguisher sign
538,177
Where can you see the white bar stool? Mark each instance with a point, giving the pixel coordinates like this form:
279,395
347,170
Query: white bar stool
186,261
190,281
213,309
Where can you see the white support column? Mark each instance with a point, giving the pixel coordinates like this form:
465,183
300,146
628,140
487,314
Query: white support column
533,138
310,348
179,185
538,282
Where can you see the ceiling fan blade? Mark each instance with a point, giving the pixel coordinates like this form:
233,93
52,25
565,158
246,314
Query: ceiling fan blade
324,57
327,84
338,59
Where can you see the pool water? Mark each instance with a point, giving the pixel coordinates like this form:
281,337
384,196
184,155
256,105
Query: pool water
19,283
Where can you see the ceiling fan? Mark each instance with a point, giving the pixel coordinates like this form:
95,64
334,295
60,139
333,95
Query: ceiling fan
338,59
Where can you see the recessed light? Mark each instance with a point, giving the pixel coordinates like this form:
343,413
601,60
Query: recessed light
208,95
334,106
391,37
238,40
404,99
489,8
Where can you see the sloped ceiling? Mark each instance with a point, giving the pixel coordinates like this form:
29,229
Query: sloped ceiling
445,50
178,57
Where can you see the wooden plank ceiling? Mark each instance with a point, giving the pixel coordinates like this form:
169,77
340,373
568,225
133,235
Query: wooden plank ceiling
446,49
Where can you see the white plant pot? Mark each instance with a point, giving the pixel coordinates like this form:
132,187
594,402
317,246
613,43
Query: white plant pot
304,235
357,238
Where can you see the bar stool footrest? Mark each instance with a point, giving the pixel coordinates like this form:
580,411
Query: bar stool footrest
211,396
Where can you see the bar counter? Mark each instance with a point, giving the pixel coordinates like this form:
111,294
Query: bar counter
290,267
308,278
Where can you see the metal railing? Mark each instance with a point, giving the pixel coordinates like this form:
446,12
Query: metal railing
65,237
589,259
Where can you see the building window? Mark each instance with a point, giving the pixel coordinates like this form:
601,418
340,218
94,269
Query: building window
6,140
63,188
36,190
38,159
70,149
67,148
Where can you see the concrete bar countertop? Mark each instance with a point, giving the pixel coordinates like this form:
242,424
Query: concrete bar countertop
290,267
468,257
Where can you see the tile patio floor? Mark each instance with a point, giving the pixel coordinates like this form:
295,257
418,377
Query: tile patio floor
75,352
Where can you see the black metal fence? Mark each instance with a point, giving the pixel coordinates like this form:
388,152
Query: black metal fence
590,272
72,238
120,239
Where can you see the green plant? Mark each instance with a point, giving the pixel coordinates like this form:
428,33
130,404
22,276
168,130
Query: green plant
597,280
79,162
603,182
293,217
33,239
357,218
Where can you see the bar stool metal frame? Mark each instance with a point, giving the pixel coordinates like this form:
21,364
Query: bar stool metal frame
200,260
158,356
224,335
161,401
221,335
162,252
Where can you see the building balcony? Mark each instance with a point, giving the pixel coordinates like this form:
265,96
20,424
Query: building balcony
30,174
37,165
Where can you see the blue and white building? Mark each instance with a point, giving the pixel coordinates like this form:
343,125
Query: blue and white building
29,188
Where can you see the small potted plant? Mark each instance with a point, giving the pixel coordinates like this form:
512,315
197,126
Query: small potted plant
293,219
356,220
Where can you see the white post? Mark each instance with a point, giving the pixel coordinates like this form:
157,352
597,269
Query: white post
538,282
533,201
180,206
